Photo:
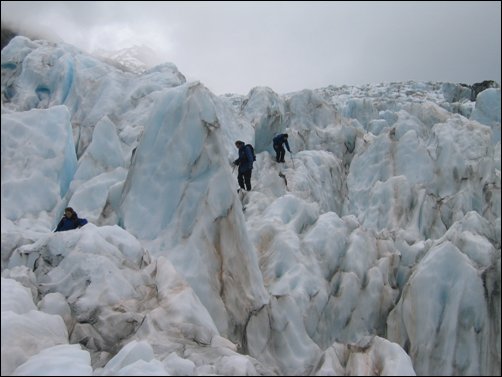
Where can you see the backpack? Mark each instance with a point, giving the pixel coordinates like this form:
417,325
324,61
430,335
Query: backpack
252,151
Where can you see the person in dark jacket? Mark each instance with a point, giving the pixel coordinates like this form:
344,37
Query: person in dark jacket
245,163
278,141
70,221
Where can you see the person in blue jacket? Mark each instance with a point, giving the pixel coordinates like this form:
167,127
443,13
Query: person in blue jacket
70,221
245,163
278,141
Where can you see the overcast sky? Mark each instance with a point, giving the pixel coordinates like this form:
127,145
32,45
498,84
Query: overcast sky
287,46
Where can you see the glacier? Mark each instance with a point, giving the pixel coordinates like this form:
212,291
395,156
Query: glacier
374,250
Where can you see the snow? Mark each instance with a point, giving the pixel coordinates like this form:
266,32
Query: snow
373,250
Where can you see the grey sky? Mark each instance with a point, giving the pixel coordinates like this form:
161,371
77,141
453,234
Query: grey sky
287,46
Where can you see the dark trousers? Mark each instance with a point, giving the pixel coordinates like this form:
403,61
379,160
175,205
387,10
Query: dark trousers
279,152
245,178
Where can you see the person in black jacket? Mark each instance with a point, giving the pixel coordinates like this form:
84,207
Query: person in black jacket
278,141
70,221
245,163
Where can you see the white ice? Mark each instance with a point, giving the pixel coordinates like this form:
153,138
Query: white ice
374,250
